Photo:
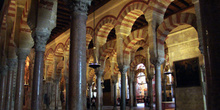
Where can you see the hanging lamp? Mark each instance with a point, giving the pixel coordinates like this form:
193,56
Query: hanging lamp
95,64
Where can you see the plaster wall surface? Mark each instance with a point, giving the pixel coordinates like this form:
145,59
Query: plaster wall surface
184,45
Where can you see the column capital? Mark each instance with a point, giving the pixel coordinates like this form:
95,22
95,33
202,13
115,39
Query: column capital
41,40
22,53
157,61
11,64
123,69
3,69
80,6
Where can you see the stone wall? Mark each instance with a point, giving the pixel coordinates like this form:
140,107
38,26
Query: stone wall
184,45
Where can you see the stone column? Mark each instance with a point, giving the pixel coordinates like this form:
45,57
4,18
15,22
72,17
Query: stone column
40,43
19,94
131,94
114,81
3,83
41,24
157,64
134,91
123,86
150,90
9,87
99,97
77,61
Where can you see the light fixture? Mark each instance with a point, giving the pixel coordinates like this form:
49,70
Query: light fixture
95,64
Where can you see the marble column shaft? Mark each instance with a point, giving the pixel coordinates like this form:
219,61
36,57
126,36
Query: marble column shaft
158,87
77,59
3,84
123,91
150,92
37,88
8,99
99,97
131,94
134,92
19,94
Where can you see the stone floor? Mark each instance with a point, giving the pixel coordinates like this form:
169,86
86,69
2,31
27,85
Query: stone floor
140,106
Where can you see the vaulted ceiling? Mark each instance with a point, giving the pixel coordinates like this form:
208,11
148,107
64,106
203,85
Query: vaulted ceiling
63,16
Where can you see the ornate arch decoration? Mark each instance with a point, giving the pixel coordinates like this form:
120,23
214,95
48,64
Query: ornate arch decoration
49,54
49,71
158,9
129,14
23,24
139,44
89,35
105,25
59,50
137,60
131,40
169,24
108,49
67,44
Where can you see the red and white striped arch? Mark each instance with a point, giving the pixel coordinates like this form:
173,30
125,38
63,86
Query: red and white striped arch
59,50
12,9
105,25
139,44
129,14
106,50
133,38
3,27
170,23
158,8
23,24
137,60
89,35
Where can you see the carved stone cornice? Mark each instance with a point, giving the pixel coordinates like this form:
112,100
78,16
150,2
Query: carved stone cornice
157,61
22,53
3,69
11,64
80,6
41,40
